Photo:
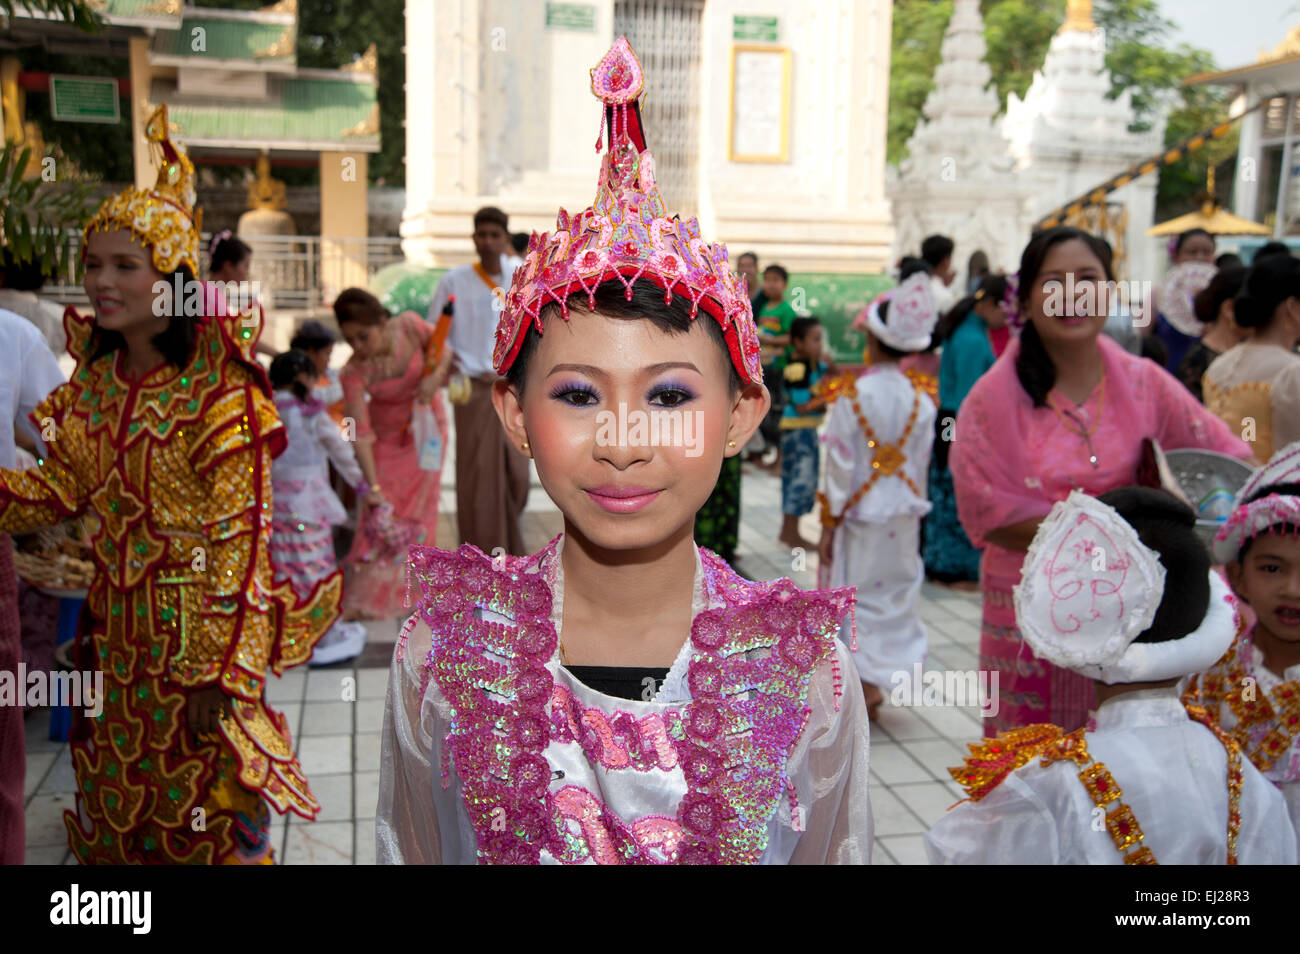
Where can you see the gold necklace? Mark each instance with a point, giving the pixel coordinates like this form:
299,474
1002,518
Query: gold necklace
1073,423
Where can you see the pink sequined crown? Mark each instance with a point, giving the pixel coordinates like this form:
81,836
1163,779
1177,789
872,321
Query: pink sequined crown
627,235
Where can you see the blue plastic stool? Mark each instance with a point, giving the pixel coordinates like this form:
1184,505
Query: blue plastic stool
69,612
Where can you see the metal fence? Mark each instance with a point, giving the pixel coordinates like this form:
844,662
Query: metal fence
299,272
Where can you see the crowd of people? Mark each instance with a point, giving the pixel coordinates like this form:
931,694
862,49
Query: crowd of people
624,695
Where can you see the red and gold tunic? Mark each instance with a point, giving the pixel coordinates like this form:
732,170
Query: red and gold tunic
174,472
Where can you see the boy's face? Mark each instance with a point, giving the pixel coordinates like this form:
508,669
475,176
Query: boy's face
748,266
945,272
490,239
1268,578
810,345
628,424
774,286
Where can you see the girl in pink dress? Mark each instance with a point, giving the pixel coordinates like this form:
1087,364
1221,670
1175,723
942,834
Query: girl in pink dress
389,372
1064,408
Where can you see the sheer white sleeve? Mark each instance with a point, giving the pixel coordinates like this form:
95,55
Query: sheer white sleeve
406,821
830,759
1009,826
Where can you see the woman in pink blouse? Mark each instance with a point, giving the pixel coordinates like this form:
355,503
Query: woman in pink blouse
390,371
1063,408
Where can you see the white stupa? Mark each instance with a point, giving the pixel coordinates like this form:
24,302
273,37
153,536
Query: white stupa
959,177
1066,136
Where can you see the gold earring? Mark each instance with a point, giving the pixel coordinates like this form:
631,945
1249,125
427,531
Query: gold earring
731,443
525,445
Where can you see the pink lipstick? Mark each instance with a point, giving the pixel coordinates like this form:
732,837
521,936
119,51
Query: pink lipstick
618,499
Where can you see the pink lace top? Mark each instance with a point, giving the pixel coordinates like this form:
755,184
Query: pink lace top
1011,461
494,753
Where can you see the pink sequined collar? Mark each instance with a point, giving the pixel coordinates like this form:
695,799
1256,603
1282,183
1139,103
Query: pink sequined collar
751,663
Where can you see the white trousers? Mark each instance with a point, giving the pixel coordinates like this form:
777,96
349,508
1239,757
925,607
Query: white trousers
883,561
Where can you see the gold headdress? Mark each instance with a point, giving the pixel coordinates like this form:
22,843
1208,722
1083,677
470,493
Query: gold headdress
164,217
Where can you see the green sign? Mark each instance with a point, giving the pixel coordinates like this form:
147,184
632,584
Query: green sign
837,299
571,16
84,99
755,29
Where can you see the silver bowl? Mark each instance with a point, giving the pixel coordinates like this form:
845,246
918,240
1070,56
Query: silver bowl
1210,482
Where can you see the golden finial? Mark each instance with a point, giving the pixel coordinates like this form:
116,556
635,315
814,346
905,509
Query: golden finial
1078,16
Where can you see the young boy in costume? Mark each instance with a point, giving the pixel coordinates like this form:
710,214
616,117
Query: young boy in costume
873,495
622,696
1254,690
1119,588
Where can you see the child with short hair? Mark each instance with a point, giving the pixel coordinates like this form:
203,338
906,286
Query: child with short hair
873,494
1254,690
622,696
305,506
774,319
804,411
1119,588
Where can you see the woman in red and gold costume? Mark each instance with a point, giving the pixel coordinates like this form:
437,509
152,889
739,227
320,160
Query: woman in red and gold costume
163,439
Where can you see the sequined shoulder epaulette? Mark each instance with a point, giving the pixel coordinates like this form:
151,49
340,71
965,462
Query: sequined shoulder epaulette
750,668
992,760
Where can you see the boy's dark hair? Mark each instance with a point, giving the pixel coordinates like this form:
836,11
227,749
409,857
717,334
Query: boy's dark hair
229,250
785,276
285,369
175,341
800,327
647,302
1224,285
357,304
491,215
1286,529
936,248
519,242
1228,260
744,255
1168,526
909,265
1271,248
311,336
1034,368
1266,286
889,351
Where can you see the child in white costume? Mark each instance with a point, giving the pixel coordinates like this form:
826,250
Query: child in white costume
1254,689
306,507
879,435
1119,589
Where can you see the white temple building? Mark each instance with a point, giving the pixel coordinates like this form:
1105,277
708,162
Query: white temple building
1067,136
985,184
958,178
766,119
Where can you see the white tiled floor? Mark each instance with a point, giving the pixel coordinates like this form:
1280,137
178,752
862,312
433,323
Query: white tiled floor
335,716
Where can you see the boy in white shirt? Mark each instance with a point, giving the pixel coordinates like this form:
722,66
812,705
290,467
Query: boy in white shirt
878,438
1119,588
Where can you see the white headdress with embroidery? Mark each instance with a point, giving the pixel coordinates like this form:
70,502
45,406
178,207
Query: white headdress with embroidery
912,315
1089,588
